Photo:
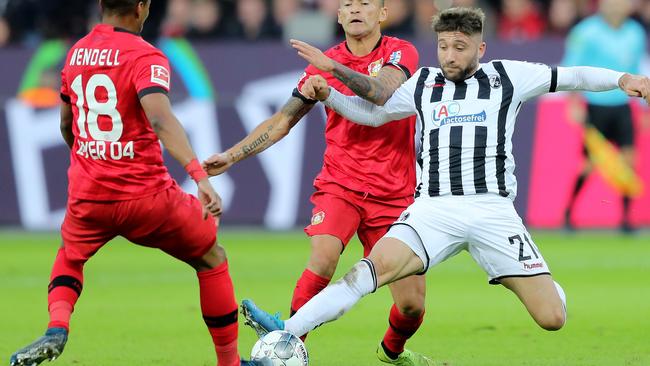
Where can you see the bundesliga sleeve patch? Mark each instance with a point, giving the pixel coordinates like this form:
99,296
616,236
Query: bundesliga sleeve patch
160,75
318,218
395,57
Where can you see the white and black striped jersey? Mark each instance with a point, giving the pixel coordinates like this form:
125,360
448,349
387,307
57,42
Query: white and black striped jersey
466,127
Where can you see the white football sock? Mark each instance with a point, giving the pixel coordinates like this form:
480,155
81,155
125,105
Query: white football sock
560,292
334,300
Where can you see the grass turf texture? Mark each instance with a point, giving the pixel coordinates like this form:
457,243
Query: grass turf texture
140,307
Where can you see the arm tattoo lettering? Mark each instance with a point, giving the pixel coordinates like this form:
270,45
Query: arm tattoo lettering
294,109
260,143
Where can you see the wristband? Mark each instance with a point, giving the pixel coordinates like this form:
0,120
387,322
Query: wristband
298,94
194,169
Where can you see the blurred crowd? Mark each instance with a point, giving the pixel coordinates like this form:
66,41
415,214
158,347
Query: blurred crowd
27,22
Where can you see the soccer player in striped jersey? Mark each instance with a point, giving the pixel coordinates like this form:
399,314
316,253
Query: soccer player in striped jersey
467,111
368,175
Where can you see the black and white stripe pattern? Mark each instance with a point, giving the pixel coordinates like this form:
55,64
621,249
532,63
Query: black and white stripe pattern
506,101
466,127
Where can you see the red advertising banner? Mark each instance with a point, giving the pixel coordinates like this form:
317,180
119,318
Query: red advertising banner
556,163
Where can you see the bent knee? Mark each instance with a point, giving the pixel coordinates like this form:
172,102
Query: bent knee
324,259
218,253
212,258
411,310
410,304
323,266
553,321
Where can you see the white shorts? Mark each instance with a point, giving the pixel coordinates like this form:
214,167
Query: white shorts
486,225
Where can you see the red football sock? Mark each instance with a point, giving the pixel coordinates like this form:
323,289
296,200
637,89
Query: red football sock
60,313
401,328
66,283
219,309
309,285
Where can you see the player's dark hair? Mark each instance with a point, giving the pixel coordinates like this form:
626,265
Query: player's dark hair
465,20
120,7
381,2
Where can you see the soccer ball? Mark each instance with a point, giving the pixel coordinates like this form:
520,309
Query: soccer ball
280,348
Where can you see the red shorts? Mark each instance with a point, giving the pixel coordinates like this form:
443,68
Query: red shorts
170,220
341,212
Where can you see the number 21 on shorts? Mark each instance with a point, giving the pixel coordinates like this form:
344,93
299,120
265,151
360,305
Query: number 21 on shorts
517,239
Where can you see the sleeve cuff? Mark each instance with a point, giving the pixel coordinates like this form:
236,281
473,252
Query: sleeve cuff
64,98
404,69
304,99
553,86
151,90
331,99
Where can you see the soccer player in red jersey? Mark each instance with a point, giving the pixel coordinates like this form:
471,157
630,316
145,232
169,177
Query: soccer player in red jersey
115,111
368,175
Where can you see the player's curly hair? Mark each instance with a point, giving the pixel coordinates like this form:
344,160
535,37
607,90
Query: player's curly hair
120,7
465,20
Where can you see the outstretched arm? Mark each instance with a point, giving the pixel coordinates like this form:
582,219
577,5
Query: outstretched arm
600,79
354,108
358,110
376,90
262,137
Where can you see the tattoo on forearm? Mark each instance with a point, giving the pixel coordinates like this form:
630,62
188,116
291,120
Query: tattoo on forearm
295,109
260,143
375,90
360,84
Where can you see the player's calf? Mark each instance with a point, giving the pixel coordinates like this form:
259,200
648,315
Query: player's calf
406,315
219,309
409,295
554,317
543,298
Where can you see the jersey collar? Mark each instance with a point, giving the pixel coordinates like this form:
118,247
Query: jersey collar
122,30
381,38
109,28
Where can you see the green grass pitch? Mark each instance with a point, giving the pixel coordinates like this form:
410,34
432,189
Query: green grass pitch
140,307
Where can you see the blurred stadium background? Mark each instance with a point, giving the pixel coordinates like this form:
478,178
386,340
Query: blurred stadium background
231,69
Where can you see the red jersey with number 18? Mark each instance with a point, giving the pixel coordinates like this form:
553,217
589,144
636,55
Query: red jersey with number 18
116,154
